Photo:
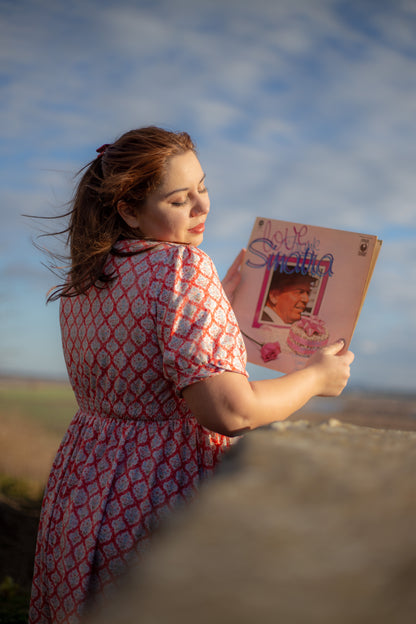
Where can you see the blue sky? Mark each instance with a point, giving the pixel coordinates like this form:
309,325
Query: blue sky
302,110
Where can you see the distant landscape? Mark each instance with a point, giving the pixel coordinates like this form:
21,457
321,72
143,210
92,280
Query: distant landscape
34,415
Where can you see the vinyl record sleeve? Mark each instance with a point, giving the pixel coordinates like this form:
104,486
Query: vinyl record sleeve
302,287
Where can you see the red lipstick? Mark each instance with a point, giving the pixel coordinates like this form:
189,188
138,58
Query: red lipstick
198,229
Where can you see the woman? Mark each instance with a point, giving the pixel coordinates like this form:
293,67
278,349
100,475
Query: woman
157,364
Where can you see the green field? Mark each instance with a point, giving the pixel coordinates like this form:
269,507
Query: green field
50,405
33,418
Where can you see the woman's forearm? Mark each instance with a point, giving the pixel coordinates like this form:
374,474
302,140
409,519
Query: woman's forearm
228,403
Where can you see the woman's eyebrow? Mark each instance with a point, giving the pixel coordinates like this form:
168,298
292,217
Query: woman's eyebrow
185,188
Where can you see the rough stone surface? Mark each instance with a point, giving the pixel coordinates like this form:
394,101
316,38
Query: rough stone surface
306,523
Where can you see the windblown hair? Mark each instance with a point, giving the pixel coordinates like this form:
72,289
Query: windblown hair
128,169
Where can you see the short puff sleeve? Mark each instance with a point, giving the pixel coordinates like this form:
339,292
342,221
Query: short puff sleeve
197,330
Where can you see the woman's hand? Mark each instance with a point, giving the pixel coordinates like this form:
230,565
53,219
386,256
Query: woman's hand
233,276
332,368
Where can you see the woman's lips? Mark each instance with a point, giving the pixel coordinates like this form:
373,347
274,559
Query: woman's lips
198,229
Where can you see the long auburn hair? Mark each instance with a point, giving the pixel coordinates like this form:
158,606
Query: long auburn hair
128,169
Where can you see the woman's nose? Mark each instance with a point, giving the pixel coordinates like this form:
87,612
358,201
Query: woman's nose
201,205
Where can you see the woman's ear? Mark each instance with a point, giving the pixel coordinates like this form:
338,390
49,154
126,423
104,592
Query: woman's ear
128,214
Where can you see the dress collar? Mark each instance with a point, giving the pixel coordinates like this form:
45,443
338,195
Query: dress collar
136,245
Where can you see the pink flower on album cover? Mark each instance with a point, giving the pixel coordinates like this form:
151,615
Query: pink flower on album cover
270,351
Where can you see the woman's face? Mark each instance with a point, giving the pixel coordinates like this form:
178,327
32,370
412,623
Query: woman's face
177,209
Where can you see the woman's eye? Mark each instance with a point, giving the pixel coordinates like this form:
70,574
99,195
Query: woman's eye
201,190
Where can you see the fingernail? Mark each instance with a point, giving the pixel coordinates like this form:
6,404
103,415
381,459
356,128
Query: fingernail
342,340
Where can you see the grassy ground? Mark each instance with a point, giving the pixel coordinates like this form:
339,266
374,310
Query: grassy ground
33,418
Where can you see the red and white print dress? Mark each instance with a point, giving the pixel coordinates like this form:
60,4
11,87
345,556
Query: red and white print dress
133,450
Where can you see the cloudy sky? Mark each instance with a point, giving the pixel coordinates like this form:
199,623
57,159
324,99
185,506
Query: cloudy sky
302,110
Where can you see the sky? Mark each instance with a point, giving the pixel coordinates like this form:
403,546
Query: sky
302,110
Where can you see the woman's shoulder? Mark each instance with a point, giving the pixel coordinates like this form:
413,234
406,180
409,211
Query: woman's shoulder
189,253
161,252
191,261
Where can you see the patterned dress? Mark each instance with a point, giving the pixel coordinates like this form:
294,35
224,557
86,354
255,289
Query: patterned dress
133,451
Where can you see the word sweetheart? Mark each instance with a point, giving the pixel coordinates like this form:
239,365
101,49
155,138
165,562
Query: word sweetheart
303,262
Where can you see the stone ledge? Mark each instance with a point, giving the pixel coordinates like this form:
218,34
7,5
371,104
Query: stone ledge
304,524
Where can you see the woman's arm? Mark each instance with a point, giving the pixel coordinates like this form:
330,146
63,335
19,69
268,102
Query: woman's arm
230,404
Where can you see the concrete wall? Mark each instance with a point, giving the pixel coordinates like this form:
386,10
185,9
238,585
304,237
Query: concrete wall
304,524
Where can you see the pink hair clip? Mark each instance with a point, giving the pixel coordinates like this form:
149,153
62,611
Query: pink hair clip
101,150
